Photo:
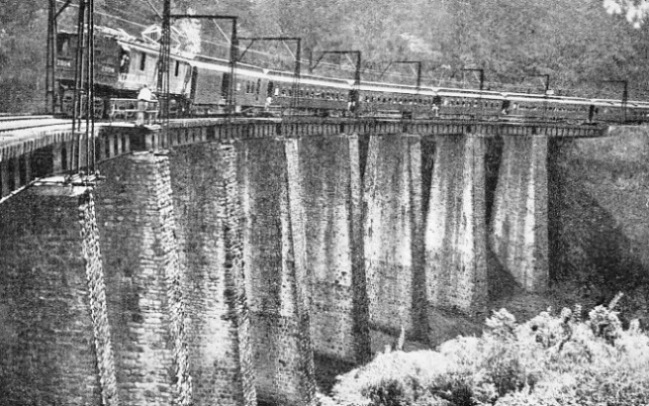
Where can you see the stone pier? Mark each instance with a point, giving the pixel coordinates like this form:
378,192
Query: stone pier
143,280
519,230
209,219
456,263
392,237
330,175
55,340
276,270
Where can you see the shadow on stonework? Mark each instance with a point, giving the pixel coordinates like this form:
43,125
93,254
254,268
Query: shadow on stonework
327,369
593,258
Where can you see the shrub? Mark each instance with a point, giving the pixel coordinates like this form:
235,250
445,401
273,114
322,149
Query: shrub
549,360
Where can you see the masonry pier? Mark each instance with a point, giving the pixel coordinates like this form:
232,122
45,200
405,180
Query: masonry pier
331,184
393,221
276,270
55,337
519,229
209,224
455,239
143,279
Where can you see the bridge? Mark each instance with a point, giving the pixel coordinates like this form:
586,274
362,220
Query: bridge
211,261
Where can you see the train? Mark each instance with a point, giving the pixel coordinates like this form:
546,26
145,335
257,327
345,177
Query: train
199,86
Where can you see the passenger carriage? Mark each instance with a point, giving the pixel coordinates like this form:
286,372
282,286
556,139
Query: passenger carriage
200,85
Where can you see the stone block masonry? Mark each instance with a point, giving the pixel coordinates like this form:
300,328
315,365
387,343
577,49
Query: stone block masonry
455,239
275,270
97,295
330,177
519,230
209,218
55,347
143,280
392,236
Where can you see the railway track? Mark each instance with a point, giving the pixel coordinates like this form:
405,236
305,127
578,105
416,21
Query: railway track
9,124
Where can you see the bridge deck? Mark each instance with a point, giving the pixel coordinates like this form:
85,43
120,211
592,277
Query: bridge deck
31,153
20,139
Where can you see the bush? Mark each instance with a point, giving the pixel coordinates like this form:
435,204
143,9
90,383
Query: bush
549,360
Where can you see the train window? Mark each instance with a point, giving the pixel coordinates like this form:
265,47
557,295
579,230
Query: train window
142,61
177,70
258,85
124,62
63,45
225,84
269,89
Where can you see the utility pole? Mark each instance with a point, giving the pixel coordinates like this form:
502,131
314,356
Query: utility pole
480,70
354,94
418,63
298,56
50,63
625,93
234,49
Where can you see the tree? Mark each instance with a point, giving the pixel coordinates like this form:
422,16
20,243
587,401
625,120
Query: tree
635,12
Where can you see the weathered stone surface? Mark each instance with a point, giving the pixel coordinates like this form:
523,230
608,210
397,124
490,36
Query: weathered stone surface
97,295
393,223
52,346
209,216
275,270
519,231
456,266
332,198
143,280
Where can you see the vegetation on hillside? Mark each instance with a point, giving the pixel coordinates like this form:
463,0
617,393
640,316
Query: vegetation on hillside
558,359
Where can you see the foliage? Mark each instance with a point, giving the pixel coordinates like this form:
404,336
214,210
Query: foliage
550,360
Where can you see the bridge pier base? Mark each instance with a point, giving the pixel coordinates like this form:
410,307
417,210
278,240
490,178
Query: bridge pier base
276,270
55,339
519,232
393,222
456,260
143,280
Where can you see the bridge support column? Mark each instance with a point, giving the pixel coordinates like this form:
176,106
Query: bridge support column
456,263
393,223
4,178
208,212
55,340
143,280
276,273
330,175
519,232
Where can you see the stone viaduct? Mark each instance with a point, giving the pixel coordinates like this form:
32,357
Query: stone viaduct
210,262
